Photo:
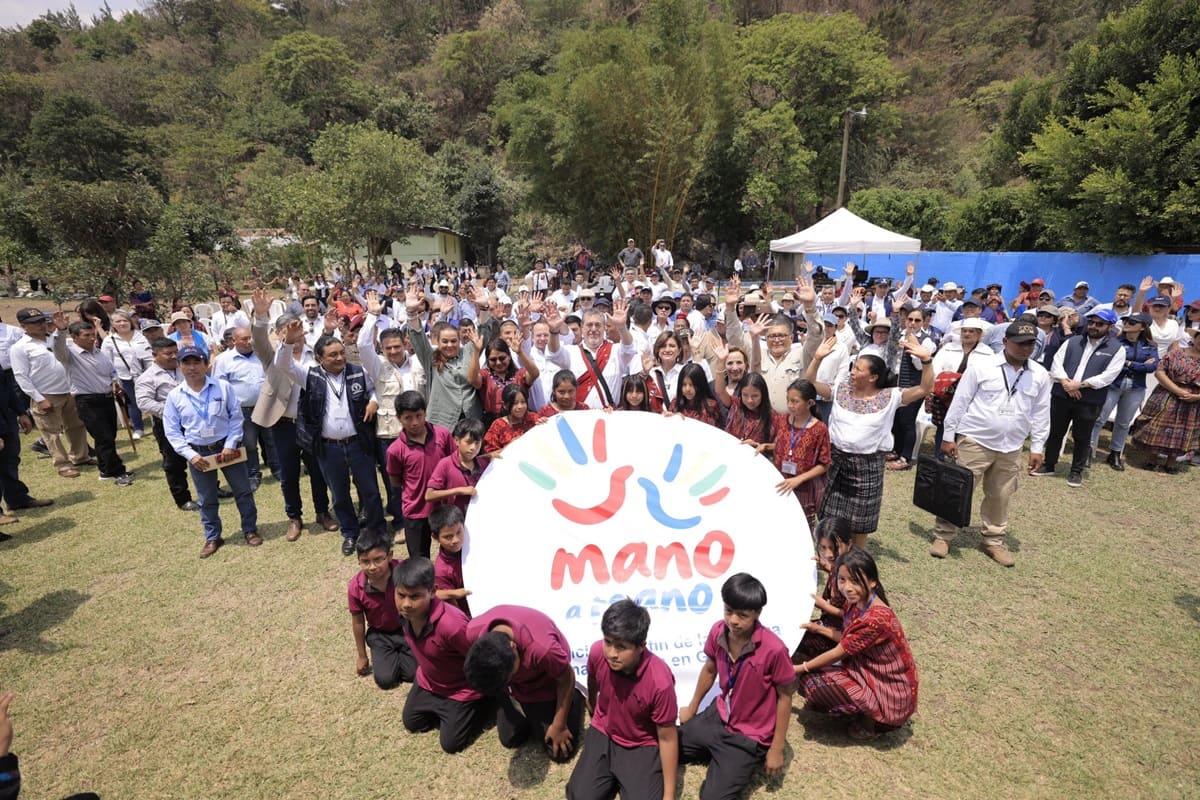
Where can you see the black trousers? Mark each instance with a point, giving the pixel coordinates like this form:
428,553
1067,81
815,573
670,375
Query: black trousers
605,768
99,415
515,723
458,722
904,428
418,537
391,660
1081,418
173,464
732,758
15,492
290,455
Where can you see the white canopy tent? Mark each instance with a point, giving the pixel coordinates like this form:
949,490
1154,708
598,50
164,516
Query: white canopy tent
845,232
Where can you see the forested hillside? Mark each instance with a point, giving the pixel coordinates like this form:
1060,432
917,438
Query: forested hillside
136,146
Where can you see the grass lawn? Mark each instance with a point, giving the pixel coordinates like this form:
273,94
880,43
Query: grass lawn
144,672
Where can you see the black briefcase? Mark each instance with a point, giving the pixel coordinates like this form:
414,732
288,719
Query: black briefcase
944,489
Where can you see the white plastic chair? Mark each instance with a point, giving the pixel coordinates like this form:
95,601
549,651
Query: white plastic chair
924,424
277,308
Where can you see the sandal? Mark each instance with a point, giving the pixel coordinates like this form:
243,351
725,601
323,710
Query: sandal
899,465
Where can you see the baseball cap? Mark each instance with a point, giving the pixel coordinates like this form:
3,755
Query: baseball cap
829,319
108,298
1105,315
1157,300
1194,305
192,352
147,324
602,299
1020,332
1082,285
1046,293
26,315
1141,319
972,301
1051,311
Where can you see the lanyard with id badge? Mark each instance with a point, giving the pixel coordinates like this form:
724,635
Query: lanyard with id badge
789,467
201,405
1008,410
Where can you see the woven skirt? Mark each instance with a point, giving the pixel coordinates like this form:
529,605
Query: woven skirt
854,491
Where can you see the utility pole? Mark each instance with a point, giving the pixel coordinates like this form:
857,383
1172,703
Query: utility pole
847,115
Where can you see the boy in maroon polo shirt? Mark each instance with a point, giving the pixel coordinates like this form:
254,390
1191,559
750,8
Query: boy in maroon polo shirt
373,616
437,635
748,721
454,478
522,651
632,745
447,526
410,462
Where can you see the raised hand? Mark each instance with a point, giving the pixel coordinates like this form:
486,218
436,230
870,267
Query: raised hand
373,305
805,294
759,325
551,315
620,314
538,304
261,302
826,347
914,348
850,269
412,299
294,332
331,321
1147,283
60,320
910,269
647,361
476,339
733,292
809,267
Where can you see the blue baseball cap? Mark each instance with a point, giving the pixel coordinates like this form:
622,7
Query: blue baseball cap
1104,315
1160,300
830,319
192,352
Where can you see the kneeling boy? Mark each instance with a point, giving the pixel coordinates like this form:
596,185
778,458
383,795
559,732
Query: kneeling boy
373,615
437,635
747,723
632,746
523,651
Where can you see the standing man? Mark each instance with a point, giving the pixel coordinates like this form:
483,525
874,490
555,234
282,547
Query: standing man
600,366
92,376
631,257
202,417
784,362
243,370
14,421
662,256
44,381
227,318
1080,300
999,403
1082,370
337,408
277,408
151,390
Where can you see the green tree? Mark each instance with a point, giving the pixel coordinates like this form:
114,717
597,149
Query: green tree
779,188
1002,219
369,187
820,66
913,212
42,34
173,261
316,74
72,137
1125,181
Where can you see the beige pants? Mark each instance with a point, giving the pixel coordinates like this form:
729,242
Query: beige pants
61,423
996,474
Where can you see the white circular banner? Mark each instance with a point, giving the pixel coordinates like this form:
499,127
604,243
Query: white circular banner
591,507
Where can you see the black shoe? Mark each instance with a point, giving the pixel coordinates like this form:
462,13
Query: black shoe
348,545
223,493
190,505
1043,471
40,448
33,502
1116,462
1075,479
125,480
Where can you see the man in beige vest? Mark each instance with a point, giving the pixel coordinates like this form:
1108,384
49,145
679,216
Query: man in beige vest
276,409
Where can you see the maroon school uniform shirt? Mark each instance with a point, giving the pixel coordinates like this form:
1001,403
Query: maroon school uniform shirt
410,464
447,574
747,702
450,474
630,708
440,651
545,654
378,607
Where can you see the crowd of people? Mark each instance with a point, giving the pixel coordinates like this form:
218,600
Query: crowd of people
388,394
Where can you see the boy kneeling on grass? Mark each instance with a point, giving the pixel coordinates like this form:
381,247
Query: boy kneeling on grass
632,745
519,654
437,635
373,615
747,724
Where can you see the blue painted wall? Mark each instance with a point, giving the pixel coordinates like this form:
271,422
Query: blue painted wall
1061,271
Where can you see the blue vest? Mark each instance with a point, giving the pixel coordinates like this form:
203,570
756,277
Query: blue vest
312,408
1099,360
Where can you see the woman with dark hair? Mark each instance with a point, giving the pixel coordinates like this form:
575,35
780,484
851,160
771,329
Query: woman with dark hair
1170,421
91,311
751,418
513,421
662,368
863,409
1127,392
500,372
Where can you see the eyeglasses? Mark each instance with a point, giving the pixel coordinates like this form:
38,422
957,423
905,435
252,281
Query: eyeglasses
778,336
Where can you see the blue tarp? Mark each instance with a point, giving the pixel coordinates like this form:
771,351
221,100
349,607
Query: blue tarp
1061,271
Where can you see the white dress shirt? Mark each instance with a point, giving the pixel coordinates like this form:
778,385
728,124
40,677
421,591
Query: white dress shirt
37,371
1111,372
998,406
90,371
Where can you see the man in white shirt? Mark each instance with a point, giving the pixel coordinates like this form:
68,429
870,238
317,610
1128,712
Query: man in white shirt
999,403
45,381
662,256
1082,370
244,371
228,318
598,359
945,309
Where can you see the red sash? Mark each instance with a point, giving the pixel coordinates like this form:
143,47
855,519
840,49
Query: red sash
590,378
